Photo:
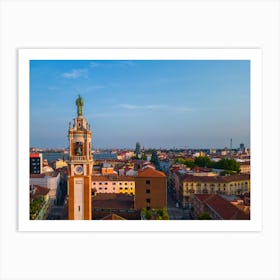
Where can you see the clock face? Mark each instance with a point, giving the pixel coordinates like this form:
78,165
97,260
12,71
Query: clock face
79,169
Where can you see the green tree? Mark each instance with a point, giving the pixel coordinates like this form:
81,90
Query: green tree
35,207
188,162
147,213
227,172
165,215
228,164
143,156
204,216
179,160
203,162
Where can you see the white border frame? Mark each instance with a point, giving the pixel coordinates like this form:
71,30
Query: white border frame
254,55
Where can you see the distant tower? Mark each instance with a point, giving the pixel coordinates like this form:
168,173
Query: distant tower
137,149
79,167
231,144
242,147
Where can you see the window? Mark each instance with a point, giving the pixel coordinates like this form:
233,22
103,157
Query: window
125,188
94,183
100,183
148,191
120,183
114,183
106,183
148,200
148,182
105,188
125,184
120,188
100,188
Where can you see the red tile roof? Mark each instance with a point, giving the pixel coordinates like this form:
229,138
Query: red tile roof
37,175
36,190
214,179
99,178
222,207
113,201
111,178
113,217
150,172
201,169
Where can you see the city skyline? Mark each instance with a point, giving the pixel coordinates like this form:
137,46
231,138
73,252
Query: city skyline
159,103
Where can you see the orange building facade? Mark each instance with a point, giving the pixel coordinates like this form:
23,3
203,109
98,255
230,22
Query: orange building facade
150,189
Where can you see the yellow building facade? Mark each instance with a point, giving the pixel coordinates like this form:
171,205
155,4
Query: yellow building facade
114,184
226,185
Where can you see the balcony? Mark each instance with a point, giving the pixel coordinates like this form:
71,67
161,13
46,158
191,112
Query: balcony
80,158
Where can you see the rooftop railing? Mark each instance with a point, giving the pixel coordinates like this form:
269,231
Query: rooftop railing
78,158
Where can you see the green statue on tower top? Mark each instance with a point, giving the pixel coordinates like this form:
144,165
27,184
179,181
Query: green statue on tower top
80,104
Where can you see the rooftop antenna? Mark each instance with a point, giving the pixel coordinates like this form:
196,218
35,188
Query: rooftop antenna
230,147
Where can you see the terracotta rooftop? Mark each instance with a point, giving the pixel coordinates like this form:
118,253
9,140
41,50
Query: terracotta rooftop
214,179
201,169
36,190
111,178
37,175
43,175
113,217
150,172
113,201
222,207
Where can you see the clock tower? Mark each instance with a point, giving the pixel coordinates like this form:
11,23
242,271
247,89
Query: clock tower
79,167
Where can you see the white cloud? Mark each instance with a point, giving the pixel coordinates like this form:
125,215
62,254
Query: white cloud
135,107
74,73
155,106
93,65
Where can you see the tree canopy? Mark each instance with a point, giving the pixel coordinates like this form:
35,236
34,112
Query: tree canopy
229,165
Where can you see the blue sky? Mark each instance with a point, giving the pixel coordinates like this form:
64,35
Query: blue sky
159,103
